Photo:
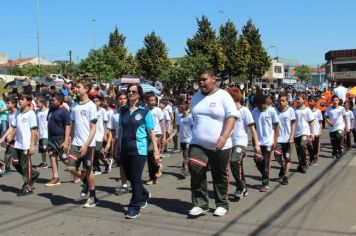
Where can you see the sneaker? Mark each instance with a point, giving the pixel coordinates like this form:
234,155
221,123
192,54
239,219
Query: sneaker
108,166
241,194
5,172
151,182
132,214
159,171
85,190
91,202
165,155
285,180
53,182
144,204
43,165
121,190
313,163
76,180
281,173
195,211
220,211
264,188
301,169
24,193
175,151
97,173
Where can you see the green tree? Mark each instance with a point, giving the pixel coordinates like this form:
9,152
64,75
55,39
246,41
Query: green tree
153,58
205,42
236,50
68,69
303,73
33,70
259,60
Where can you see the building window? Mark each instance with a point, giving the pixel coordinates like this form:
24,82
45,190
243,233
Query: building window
277,69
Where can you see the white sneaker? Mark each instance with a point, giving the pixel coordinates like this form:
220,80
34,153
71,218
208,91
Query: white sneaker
195,211
220,211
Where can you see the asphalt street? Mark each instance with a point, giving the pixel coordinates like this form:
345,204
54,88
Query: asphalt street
320,202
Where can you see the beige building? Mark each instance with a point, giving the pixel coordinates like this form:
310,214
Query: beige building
7,65
273,77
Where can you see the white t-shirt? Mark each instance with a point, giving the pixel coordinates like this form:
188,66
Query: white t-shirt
303,117
82,115
113,123
209,113
158,116
167,118
265,121
100,124
185,128
42,123
239,134
336,115
285,129
317,118
341,92
109,112
177,115
24,122
349,119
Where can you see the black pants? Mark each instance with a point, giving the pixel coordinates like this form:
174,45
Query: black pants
301,148
237,168
313,149
263,163
336,138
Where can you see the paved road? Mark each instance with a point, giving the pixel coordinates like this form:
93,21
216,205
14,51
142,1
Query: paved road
321,202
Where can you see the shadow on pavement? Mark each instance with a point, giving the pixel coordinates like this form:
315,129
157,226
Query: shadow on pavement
171,205
11,189
58,200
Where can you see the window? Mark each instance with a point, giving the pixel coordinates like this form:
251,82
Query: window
277,69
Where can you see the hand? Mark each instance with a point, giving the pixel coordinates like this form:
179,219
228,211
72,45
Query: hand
312,137
164,141
156,155
106,149
257,149
83,150
65,146
220,143
291,140
169,140
31,151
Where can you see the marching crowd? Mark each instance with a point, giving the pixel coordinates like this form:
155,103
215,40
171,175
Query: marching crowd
86,127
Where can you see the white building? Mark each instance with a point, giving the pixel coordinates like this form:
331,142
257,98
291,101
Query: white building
6,65
273,77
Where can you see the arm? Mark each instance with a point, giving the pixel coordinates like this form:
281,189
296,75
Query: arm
108,142
10,131
229,125
163,128
66,143
83,150
292,126
33,138
275,133
154,143
311,130
255,139
174,133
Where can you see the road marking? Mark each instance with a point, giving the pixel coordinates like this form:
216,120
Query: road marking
353,161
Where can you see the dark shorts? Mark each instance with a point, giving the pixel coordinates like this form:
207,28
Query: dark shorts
74,158
282,150
54,149
42,145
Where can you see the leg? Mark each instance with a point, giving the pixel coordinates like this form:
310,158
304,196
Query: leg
333,141
184,148
139,193
236,166
278,153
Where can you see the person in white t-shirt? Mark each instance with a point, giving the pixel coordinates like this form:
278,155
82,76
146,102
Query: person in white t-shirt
101,130
163,103
314,146
340,91
244,122
183,127
155,169
304,131
336,119
84,117
42,122
267,125
282,151
214,114
349,125
24,127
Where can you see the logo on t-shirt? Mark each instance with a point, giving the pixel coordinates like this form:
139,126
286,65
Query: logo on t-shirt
24,120
84,113
213,104
138,117
267,118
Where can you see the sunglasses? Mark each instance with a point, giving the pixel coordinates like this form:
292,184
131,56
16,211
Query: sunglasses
132,91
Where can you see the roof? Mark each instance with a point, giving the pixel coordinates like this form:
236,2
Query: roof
340,53
16,62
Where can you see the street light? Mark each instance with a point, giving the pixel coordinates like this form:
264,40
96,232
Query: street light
222,16
94,36
275,47
38,34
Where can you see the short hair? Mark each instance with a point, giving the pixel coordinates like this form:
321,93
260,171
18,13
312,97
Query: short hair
85,82
282,95
338,83
100,98
302,94
59,97
148,95
164,101
185,106
207,71
110,101
260,99
119,94
42,100
334,96
12,99
235,93
26,96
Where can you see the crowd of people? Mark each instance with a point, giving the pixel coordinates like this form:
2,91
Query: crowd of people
86,126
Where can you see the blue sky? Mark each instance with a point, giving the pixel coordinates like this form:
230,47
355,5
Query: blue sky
303,30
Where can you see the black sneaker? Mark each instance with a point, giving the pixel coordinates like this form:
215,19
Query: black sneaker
132,214
43,165
85,190
108,166
285,181
240,194
122,190
313,163
301,169
24,193
281,173
144,204
91,202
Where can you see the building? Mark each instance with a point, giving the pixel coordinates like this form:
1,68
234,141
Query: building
341,66
318,77
289,72
273,77
6,65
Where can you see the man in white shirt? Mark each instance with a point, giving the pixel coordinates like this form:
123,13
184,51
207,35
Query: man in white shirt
267,121
336,119
42,130
340,91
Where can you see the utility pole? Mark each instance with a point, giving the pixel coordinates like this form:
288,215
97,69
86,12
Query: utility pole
222,16
38,34
70,56
94,36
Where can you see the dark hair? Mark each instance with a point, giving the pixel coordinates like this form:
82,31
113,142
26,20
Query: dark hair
302,94
110,101
119,94
148,95
42,100
335,96
260,99
86,83
59,97
12,99
338,83
26,96
185,106
164,101
140,91
100,98
207,71
282,95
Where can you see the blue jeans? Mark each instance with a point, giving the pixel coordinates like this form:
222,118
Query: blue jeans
133,166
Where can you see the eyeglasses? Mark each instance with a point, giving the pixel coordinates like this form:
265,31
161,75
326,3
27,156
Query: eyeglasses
132,91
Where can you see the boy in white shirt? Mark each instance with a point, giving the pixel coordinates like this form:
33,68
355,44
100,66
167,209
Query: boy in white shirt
303,130
167,120
314,146
349,125
267,121
282,151
24,128
336,119
42,130
84,117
